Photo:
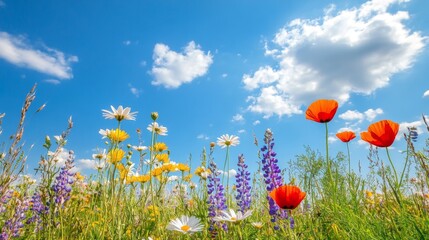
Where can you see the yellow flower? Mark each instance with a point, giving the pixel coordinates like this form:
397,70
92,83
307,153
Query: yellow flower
169,167
117,135
79,177
159,147
202,172
163,157
183,167
115,155
123,172
152,211
187,178
368,194
140,178
156,171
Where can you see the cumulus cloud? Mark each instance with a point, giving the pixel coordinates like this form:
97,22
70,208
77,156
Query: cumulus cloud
241,131
172,69
355,50
257,122
47,60
426,93
354,115
83,164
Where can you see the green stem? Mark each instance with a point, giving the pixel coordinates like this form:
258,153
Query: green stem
348,154
393,167
405,166
328,162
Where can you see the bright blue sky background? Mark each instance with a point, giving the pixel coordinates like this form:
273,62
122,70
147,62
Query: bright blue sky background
213,67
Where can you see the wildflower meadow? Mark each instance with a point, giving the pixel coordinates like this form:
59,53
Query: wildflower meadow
133,193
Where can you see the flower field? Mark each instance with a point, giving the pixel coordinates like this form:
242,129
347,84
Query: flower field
137,192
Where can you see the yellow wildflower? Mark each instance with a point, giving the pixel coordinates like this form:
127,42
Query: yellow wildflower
183,167
115,155
159,147
156,171
169,167
163,157
79,177
117,135
187,178
123,172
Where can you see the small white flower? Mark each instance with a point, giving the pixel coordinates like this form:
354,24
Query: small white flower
104,132
119,114
173,178
185,225
231,216
100,155
59,140
158,129
257,225
140,148
227,140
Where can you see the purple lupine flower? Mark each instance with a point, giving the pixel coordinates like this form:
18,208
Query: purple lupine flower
272,176
13,226
292,222
5,198
242,179
217,200
62,186
38,209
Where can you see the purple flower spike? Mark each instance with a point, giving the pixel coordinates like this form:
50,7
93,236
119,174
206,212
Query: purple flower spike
243,185
217,200
271,175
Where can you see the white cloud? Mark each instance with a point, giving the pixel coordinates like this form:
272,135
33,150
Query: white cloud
48,61
426,93
136,92
354,115
224,75
126,42
203,136
332,139
270,102
241,131
355,50
403,128
172,69
232,173
83,164
237,118
52,81
371,114
257,122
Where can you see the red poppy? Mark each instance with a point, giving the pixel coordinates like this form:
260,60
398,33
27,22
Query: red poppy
322,110
381,134
346,136
287,196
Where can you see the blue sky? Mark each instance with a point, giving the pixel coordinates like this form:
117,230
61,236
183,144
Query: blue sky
211,68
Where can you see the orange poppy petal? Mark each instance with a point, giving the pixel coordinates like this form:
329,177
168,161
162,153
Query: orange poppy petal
322,110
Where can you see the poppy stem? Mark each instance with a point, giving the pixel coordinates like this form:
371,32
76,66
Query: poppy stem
348,154
393,167
328,163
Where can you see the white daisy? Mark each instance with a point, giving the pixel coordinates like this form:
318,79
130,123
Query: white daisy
119,114
257,225
227,140
100,155
231,216
104,132
160,130
140,148
185,225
